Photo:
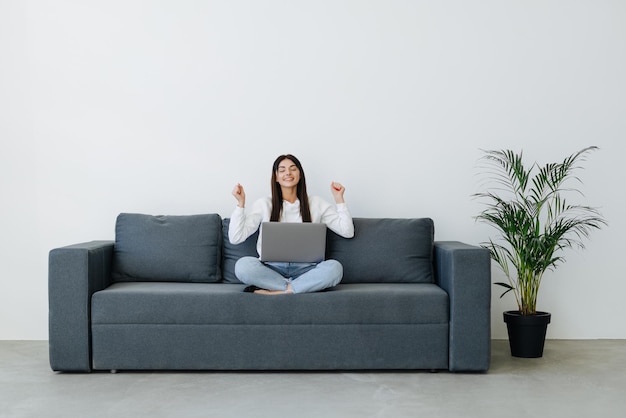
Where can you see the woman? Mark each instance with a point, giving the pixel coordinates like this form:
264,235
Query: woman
289,203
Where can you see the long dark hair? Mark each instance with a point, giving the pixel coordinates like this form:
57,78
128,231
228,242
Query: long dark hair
277,193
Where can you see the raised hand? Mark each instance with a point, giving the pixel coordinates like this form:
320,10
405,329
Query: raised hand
337,190
240,195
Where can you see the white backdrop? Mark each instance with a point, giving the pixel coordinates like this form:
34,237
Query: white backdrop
160,107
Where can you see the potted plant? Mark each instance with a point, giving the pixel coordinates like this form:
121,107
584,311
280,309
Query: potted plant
535,223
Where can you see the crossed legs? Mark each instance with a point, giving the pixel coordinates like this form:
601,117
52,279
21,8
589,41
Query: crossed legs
281,278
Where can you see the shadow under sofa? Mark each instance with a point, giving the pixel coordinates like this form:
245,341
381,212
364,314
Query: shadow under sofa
163,296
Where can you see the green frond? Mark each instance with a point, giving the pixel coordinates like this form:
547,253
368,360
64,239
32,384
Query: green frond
534,221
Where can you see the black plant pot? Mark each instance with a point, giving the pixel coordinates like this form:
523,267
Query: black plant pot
527,333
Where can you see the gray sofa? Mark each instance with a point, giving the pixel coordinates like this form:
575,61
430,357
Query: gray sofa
163,296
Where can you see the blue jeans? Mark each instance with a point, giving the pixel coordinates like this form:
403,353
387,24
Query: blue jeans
304,277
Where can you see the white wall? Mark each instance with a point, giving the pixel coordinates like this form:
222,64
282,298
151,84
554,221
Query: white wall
161,107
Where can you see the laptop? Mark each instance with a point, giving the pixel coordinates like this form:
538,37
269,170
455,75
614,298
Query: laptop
293,242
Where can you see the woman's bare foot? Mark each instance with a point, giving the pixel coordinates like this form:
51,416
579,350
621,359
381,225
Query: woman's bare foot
287,291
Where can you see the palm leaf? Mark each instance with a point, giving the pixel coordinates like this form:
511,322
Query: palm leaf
533,218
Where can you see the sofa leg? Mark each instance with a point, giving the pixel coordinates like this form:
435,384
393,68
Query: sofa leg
113,371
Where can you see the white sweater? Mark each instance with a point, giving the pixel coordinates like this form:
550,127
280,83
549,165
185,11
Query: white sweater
336,217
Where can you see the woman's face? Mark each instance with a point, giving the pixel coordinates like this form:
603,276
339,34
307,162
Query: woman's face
288,174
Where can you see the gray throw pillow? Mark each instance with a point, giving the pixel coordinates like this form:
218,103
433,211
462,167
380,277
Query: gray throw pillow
385,250
233,252
168,248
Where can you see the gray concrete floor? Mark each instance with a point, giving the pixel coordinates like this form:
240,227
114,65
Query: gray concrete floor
583,378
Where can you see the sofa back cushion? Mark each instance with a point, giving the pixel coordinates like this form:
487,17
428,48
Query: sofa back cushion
232,253
168,248
385,250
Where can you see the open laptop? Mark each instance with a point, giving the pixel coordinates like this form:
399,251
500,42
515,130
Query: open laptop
293,242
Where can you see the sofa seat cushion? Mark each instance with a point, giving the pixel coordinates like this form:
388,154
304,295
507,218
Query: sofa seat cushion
227,304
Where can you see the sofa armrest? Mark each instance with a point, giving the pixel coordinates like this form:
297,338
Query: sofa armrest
75,272
464,272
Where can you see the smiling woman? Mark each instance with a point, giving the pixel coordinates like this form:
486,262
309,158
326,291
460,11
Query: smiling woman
289,203
287,172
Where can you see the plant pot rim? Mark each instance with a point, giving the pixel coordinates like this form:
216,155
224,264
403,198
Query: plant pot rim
517,313
537,319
